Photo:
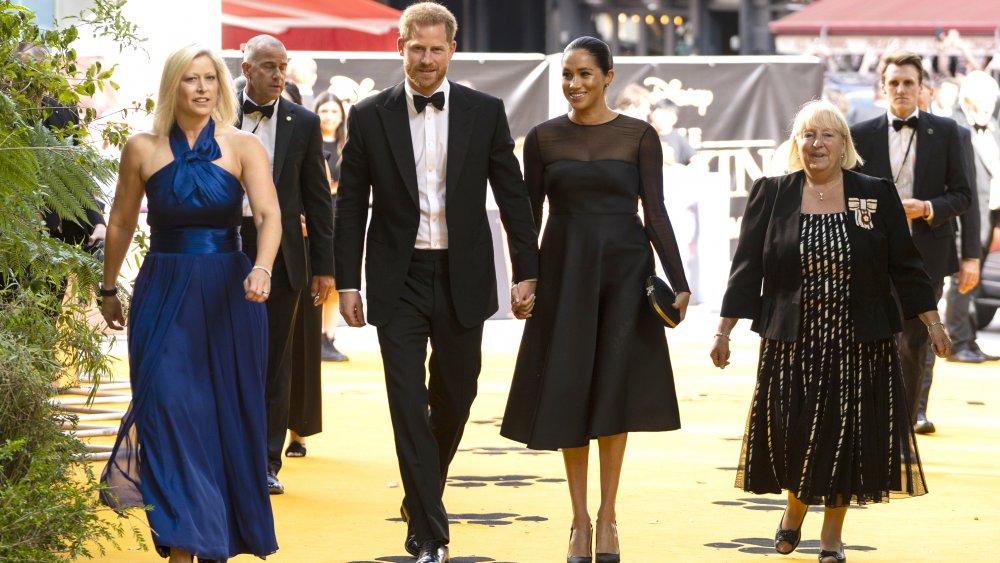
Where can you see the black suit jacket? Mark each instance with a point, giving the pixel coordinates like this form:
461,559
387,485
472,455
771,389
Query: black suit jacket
378,162
300,178
939,177
765,282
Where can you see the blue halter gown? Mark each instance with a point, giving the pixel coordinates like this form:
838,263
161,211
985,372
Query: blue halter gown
193,442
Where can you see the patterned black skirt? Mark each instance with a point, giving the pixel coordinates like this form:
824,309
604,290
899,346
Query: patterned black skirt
828,420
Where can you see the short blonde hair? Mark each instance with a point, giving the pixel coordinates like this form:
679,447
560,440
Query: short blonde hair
173,70
424,14
820,113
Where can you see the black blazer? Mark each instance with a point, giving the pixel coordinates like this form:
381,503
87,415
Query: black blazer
765,282
378,162
300,178
939,177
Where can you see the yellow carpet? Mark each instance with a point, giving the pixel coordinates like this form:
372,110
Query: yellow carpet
677,500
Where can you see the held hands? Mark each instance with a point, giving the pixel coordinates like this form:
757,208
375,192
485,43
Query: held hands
352,309
257,285
522,298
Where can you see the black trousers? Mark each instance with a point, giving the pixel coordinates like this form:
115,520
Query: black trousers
917,360
282,316
428,414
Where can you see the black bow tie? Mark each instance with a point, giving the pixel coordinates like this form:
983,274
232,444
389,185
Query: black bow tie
250,107
979,128
436,100
898,124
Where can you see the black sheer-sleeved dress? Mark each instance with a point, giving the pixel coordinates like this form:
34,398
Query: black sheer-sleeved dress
593,359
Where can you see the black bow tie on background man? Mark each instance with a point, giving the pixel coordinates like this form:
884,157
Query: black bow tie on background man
436,100
898,124
250,107
979,128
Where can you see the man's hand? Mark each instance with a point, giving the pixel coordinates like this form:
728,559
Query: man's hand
915,208
522,298
352,309
100,231
968,275
324,289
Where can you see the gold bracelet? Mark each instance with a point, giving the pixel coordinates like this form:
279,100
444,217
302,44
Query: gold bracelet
935,323
726,336
263,269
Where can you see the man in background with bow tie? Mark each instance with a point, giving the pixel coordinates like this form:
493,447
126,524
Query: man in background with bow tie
977,101
923,156
423,151
291,135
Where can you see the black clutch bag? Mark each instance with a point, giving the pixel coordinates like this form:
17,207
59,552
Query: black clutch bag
661,301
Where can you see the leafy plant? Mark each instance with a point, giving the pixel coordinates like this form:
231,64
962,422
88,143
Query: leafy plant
48,493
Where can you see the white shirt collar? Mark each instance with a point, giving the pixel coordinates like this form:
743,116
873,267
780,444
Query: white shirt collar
891,116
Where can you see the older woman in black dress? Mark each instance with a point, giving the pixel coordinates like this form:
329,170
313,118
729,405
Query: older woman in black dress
820,252
593,362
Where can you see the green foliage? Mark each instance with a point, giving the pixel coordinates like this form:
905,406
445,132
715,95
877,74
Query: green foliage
48,494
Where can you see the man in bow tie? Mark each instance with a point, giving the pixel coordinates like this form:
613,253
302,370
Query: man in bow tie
977,102
294,143
423,151
923,156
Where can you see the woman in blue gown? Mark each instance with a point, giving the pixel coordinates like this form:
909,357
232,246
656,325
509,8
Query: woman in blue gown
192,444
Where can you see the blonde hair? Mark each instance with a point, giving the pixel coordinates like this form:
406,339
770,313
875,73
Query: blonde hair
820,113
173,70
424,14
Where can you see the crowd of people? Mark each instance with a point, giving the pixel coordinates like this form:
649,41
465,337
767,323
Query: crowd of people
263,215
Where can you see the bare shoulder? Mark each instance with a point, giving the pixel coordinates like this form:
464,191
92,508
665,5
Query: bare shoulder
237,139
141,144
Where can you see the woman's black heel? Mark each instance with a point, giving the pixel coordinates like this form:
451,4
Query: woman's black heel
579,558
838,555
792,537
610,557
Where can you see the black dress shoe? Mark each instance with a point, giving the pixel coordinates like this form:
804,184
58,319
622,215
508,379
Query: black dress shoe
967,356
410,544
433,551
924,426
986,357
329,352
274,486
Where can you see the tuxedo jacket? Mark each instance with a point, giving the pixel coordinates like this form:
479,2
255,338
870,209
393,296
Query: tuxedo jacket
765,283
299,173
983,173
377,163
939,177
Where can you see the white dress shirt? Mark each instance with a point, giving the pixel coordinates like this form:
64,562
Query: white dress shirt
429,133
900,163
266,129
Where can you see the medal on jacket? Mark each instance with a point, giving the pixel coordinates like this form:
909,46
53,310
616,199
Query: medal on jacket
863,210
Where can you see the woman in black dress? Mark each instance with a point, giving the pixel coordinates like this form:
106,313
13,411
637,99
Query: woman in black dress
828,421
593,361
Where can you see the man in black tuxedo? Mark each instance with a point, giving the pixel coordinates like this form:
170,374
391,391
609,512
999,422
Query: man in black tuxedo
922,155
977,102
423,151
291,134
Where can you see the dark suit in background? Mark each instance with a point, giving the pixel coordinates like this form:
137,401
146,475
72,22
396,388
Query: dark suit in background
442,296
300,178
939,177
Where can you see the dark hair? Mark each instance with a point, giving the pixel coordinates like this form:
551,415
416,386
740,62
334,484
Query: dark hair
292,89
327,97
903,58
597,49
666,105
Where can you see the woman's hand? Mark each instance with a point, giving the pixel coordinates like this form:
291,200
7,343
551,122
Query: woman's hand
681,302
940,341
522,299
111,310
720,351
257,285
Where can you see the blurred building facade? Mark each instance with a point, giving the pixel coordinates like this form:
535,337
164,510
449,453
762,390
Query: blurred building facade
631,27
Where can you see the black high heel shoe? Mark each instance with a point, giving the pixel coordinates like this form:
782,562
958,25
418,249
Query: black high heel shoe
792,537
579,558
838,555
610,557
